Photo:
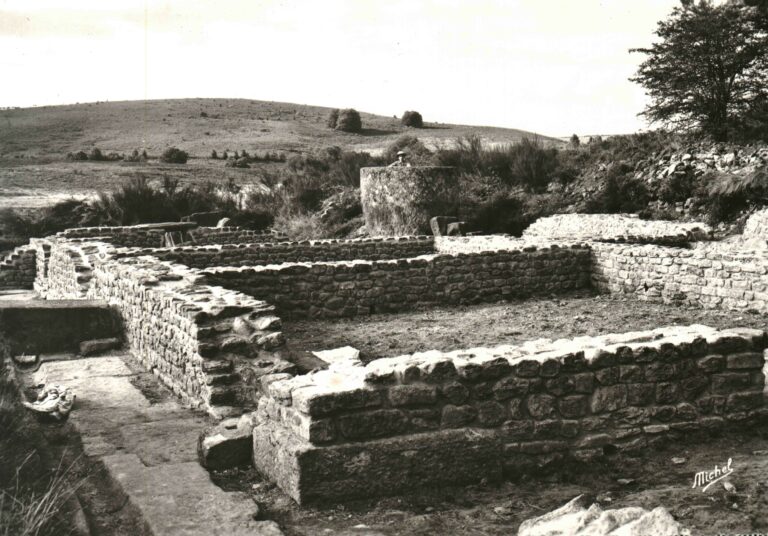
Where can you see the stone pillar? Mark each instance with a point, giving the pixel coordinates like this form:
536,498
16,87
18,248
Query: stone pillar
401,200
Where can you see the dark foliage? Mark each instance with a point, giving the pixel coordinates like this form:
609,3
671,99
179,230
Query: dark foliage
333,118
349,121
412,119
708,69
172,155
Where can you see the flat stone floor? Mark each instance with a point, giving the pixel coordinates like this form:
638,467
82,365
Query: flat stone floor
18,295
148,444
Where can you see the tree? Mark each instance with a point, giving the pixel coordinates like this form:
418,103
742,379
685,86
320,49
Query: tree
172,155
412,119
333,118
349,121
709,67
575,142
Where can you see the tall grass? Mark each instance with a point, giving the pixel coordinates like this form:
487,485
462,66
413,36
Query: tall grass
33,501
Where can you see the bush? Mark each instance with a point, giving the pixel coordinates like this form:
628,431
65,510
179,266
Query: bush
214,155
418,154
349,121
136,157
678,187
532,164
172,155
238,163
96,155
575,142
412,119
621,193
333,118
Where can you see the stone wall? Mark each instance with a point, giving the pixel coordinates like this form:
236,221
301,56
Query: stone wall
232,235
400,201
757,226
17,270
153,235
616,227
701,277
208,344
280,252
435,418
334,289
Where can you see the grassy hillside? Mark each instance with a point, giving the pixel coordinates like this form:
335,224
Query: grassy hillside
34,142
232,124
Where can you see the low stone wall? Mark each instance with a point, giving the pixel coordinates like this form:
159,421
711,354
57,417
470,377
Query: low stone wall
616,227
437,418
69,269
701,277
478,244
400,201
334,289
756,226
17,270
153,235
208,344
232,235
281,252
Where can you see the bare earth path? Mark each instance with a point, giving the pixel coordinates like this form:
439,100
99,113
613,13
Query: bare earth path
147,444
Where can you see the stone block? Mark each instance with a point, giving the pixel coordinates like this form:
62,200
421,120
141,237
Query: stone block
729,382
573,407
97,346
455,393
667,393
541,406
318,402
609,398
372,424
744,401
711,363
490,413
327,475
745,360
457,416
412,395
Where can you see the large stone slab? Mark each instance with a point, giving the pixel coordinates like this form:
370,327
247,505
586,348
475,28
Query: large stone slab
180,499
311,474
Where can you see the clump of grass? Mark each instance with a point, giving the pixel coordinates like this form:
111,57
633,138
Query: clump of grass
33,500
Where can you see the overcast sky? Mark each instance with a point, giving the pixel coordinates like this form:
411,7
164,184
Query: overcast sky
550,66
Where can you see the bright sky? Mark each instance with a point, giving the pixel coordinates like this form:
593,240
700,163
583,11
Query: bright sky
550,66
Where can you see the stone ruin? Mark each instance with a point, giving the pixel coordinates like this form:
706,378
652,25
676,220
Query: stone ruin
206,319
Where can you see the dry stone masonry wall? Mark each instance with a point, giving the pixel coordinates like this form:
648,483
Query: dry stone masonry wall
208,344
281,252
334,289
702,277
17,270
153,235
615,227
450,418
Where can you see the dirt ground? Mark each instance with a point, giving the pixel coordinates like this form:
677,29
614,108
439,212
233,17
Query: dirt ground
497,510
452,328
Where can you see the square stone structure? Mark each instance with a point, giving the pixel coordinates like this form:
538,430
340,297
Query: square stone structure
401,200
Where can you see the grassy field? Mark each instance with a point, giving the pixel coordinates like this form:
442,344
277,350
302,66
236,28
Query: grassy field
34,142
